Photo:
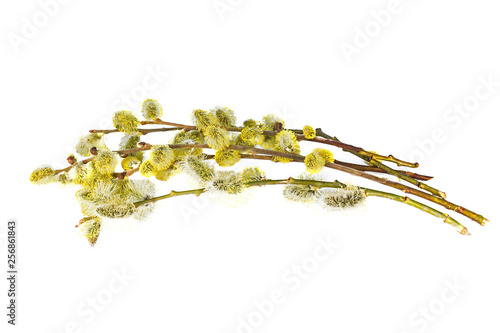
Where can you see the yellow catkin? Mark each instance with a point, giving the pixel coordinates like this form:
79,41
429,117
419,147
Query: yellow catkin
130,141
92,229
130,162
269,122
343,198
105,161
151,109
42,175
87,142
126,122
227,181
315,160
162,156
314,163
325,154
198,168
165,174
225,116
252,174
250,123
147,169
227,157
203,119
286,142
309,132
116,210
216,137
252,135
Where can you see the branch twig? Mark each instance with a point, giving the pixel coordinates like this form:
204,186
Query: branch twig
321,184
440,201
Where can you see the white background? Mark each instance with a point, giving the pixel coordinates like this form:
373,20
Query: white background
203,271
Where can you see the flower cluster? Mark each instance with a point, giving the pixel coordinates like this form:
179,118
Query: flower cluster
109,188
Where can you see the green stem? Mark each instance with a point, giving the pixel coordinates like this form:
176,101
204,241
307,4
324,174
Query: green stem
322,184
196,192
446,218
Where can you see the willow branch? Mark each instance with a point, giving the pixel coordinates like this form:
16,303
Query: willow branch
369,157
446,218
298,133
437,200
145,131
322,184
359,167
85,161
330,141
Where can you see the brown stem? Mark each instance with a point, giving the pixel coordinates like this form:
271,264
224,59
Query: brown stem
161,122
370,158
72,165
145,131
381,168
359,167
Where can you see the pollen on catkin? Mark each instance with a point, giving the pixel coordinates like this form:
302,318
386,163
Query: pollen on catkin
250,123
105,161
130,141
224,115
86,142
269,142
86,201
92,229
286,142
301,193
130,162
147,168
151,109
80,172
252,135
216,137
203,119
237,140
116,210
325,154
42,175
269,122
309,132
252,174
126,122
314,163
315,160
165,174
191,137
227,157
198,168
162,156
63,178
227,182
142,189
342,198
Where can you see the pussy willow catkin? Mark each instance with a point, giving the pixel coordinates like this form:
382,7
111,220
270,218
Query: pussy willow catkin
116,184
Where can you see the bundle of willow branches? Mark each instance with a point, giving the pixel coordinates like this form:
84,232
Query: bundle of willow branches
106,192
